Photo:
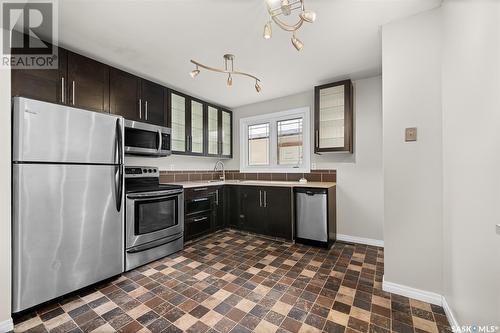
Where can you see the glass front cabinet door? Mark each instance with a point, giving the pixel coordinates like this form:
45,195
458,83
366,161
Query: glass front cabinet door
333,117
219,135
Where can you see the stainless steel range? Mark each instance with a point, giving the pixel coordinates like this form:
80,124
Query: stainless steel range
154,217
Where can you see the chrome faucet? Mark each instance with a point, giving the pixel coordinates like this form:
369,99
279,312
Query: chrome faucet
219,162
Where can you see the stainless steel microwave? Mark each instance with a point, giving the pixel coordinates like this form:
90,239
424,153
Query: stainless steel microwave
147,139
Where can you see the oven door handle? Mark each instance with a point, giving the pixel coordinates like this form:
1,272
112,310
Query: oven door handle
155,243
139,197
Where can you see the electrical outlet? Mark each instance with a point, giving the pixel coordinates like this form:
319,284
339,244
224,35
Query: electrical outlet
313,166
410,134
172,167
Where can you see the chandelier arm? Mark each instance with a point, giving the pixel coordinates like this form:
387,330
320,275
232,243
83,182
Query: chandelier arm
287,27
225,71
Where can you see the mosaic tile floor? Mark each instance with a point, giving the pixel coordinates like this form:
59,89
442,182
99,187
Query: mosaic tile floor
233,282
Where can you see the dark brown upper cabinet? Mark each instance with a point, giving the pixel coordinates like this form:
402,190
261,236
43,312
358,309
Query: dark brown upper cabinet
88,83
152,99
333,117
219,132
136,99
43,84
124,89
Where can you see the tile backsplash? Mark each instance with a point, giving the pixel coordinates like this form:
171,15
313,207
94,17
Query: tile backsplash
191,175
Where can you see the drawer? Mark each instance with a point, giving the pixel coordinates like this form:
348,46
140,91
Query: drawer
198,225
199,204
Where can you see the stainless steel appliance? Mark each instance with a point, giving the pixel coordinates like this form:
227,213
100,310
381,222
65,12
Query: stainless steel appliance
67,190
154,217
146,139
311,216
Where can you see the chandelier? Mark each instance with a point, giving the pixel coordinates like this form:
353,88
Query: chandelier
228,69
285,9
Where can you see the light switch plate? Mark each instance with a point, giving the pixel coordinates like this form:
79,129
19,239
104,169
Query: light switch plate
410,134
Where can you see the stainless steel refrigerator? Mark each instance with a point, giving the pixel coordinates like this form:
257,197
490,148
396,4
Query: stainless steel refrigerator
67,186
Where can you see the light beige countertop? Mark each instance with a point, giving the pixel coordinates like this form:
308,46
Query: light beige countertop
203,183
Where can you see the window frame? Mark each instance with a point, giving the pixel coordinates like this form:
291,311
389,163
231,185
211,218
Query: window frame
272,119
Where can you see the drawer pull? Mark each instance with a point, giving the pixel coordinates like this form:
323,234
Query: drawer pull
199,199
200,189
200,219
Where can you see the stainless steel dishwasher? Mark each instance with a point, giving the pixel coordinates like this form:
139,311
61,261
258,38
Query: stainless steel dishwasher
311,216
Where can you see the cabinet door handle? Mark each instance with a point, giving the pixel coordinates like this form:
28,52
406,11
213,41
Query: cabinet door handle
62,89
260,198
265,198
146,109
140,108
200,199
200,189
200,219
316,139
73,92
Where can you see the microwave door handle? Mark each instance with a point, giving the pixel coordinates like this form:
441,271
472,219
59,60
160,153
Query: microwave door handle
159,141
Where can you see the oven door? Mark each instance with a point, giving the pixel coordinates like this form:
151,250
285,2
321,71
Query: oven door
152,217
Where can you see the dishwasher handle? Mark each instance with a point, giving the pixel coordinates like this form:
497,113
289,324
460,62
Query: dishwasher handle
310,190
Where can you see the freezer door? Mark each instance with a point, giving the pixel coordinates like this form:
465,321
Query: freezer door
312,219
46,132
67,230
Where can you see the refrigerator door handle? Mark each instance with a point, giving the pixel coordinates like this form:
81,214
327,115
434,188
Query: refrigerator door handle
119,141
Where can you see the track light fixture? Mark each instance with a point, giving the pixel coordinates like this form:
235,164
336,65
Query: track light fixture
228,69
286,8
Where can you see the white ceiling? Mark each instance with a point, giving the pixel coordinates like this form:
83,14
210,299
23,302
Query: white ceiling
156,39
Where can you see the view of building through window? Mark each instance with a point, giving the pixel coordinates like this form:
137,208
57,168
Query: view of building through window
258,144
290,145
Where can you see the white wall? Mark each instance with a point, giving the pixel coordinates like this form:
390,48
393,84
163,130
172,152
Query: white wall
411,71
359,175
471,141
5,198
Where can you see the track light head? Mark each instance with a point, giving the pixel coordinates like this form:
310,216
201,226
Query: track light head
258,88
297,43
308,16
194,72
268,32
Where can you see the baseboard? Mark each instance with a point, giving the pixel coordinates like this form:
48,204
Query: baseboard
451,317
6,325
418,294
360,240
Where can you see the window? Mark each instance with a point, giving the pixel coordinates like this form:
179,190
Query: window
258,144
275,142
290,150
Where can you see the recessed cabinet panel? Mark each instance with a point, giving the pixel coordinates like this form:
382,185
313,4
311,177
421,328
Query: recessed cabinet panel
333,117
213,131
178,122
196,138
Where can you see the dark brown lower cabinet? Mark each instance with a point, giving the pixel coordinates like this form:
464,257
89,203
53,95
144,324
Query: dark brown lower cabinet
265,210
232,206
279,211
197,225
203,211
